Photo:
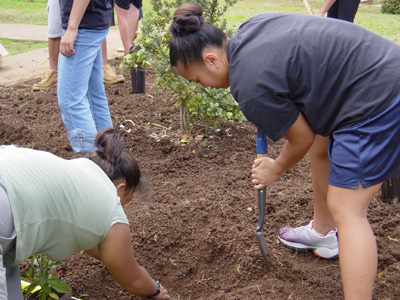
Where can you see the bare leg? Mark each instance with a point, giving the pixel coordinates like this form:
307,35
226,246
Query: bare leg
109,74
357,245
321,237
127,25
323,221
104,52
54,50
49,78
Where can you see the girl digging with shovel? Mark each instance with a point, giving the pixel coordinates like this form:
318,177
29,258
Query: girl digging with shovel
310,80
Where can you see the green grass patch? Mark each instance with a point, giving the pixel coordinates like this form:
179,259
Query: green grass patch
23,12
245,9
15,46
368,16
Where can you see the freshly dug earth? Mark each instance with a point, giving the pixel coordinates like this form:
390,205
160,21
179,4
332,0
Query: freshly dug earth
194,231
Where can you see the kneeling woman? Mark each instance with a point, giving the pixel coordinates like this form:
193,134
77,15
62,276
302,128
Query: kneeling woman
56,207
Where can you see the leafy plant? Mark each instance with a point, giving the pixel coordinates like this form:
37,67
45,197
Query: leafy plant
391,6
38,274
196,104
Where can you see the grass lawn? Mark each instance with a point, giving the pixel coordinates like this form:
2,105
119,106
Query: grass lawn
23,12
15,47
368,16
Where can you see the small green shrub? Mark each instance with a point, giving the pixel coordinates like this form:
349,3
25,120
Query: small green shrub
197,106
391,7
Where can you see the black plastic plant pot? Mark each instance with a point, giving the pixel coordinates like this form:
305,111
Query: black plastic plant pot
137,76
34,296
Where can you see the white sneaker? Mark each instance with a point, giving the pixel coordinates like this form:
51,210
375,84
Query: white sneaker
306,238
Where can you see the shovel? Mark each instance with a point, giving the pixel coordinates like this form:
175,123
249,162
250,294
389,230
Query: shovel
308,7
262,148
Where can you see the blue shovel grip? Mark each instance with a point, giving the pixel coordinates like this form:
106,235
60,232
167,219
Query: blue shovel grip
262,144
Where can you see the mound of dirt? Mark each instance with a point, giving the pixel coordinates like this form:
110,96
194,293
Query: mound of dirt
195,231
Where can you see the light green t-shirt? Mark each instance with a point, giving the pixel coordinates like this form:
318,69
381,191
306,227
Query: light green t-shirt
59,206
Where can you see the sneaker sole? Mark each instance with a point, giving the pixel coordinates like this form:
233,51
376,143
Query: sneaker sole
322,252
114,81
117,79
35,89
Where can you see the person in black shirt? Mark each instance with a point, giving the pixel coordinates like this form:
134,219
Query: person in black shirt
310,80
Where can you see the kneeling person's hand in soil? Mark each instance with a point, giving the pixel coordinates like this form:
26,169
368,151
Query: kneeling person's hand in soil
76,204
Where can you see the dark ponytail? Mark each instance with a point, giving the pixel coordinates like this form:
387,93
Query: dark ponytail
191,35
113,160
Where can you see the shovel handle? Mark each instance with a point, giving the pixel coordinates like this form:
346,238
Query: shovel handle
262,149
261,143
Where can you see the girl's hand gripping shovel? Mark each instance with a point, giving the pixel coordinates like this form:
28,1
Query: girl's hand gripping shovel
262,149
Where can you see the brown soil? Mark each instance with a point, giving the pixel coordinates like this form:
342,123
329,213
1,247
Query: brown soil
195,232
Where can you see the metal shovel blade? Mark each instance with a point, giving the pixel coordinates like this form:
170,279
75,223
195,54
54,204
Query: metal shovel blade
260,239
262,245
262,149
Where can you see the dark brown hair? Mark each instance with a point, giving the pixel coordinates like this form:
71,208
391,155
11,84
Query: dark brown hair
191,35
113,160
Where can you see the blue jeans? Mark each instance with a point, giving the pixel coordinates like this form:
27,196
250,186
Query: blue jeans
81,94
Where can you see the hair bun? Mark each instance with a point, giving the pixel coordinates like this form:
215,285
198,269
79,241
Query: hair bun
110,144
187,19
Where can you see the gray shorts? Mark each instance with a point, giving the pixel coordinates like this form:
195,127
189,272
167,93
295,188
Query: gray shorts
10,280
54,29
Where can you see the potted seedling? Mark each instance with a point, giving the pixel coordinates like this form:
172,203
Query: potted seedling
38,275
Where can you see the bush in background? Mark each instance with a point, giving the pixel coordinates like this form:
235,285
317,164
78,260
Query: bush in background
391,7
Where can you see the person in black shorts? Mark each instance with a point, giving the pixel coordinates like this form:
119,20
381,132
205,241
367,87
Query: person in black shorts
128,14
340,9
310,80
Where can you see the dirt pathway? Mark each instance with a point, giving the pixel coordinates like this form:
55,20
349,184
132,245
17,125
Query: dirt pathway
31,65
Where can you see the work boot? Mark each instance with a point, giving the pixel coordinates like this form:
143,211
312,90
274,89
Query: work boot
306,238
110,77
48,80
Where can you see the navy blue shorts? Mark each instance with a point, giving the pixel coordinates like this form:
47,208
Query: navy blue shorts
368,152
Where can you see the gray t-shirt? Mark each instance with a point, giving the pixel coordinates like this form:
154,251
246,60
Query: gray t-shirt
59,206
336,73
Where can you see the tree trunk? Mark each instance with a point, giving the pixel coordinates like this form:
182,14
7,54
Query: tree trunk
391,190
183,117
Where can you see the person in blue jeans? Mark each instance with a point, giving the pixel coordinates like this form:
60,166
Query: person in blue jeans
329,87
80,88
